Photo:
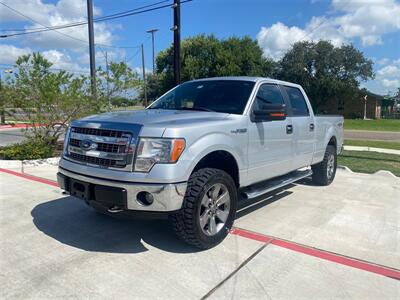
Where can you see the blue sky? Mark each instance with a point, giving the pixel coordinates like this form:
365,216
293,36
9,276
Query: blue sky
373,26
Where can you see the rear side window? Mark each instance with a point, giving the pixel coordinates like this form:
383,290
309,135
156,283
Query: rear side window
297,101
268,94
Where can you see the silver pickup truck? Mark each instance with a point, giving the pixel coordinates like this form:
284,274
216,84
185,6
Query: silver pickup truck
198,151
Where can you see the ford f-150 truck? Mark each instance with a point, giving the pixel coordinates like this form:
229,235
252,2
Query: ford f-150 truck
198,150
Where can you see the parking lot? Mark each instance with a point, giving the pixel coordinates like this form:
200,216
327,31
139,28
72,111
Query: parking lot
304,241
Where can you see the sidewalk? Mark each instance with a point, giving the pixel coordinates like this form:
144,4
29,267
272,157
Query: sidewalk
373,149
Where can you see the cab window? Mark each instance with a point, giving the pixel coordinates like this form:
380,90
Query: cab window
297,101
268,94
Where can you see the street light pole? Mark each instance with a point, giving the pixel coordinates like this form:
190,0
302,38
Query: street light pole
153,31
365,106
91,47
144,79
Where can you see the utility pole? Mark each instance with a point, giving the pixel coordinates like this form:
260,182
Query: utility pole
177,41
91,47
153,31
144,79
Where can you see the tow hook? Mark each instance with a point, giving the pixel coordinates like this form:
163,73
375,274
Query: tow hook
114,209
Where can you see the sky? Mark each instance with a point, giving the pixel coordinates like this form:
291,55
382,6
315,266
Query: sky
372,26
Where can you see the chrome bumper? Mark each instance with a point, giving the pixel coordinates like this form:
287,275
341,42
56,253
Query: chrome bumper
167,197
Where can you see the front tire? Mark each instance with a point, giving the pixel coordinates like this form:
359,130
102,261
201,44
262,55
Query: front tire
208,209
325,171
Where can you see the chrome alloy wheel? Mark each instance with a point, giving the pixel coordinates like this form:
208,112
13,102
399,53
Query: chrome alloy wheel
214,209
330,169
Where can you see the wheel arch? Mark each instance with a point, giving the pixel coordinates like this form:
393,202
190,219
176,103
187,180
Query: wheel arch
222,160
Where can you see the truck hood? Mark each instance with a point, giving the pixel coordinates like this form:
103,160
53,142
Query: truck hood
156,117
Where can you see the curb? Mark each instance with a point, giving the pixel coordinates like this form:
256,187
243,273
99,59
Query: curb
20,164
380,172
371,149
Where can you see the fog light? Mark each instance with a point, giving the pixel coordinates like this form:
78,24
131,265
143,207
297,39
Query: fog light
145,198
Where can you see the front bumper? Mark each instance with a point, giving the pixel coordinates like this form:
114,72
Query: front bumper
167,197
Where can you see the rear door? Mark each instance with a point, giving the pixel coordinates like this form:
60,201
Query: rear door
270,143
303,126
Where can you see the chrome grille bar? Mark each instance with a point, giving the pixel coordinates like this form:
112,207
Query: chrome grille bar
101,147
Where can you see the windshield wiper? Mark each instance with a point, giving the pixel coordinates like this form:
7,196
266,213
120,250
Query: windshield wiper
196,108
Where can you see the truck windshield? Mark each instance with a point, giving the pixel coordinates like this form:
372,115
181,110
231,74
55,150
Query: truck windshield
227,96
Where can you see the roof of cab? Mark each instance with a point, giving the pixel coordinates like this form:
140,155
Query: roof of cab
249,78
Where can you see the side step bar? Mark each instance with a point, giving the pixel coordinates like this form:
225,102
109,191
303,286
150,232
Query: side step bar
264,187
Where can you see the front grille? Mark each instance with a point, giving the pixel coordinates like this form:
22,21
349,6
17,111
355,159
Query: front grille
106,148
104,162
99,132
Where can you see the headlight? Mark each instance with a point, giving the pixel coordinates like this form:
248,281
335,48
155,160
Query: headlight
66,139
152,150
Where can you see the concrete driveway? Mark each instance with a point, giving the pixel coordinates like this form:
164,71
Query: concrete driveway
303,242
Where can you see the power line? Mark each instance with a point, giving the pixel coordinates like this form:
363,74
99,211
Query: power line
8,66
322,22
105,18
64,34
76,23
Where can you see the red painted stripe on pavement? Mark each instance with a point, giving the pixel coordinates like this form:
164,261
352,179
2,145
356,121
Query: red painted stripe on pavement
30,177
322,254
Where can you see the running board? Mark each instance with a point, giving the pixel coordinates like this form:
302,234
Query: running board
264,187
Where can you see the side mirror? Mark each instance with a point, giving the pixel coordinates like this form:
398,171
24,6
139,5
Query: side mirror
269,112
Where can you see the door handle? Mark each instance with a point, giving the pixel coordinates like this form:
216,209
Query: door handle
312,126
289,129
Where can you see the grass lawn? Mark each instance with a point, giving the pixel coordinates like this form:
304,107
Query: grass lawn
376,144
370,162
373,125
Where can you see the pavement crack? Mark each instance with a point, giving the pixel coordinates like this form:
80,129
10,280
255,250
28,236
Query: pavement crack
244,263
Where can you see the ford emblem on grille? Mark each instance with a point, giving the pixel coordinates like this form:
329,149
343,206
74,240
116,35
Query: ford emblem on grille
88,145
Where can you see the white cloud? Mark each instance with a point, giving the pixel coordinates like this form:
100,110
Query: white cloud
61,60
60,13
391,83
10,53
366,20
389,71
387,78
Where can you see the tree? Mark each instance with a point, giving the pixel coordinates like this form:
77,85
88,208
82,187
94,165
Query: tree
119,78
207,56
46,99
325,71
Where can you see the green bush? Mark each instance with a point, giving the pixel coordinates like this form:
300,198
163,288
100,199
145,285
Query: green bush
30,149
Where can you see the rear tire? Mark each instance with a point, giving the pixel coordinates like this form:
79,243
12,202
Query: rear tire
325,171
208,209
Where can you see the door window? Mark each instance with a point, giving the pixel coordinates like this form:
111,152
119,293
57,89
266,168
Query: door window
297,101
268,94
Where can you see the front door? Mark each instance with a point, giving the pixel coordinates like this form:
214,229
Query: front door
270,143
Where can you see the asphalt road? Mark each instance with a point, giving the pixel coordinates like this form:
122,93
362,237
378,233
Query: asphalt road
11,136
372,135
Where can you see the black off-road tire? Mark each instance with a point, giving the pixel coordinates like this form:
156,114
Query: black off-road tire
186,223
320,175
